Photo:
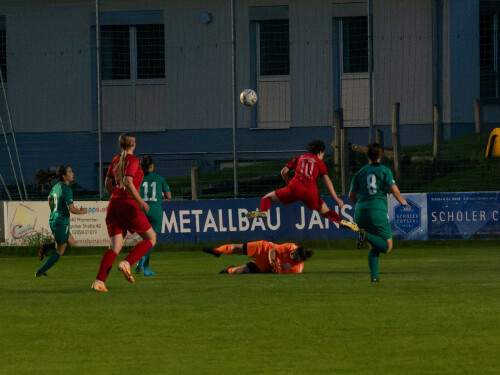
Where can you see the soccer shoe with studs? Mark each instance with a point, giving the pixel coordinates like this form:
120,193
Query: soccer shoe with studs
362,239
98,286
374,281
40,274
209,250
124,267
148,272
347,224
225,270
139,269
256,214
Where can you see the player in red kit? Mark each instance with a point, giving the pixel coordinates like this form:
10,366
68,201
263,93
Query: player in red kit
125,212
303,186
268,257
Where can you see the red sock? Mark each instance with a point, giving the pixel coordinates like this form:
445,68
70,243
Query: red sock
105,266
224,249
265,204
333,216
139,251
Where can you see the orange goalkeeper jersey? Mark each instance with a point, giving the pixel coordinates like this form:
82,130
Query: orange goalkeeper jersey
260,251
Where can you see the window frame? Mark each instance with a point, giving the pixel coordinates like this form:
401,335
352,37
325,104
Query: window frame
342,22
133,61
258,52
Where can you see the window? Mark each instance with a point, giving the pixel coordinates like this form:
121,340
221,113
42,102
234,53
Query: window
274,55
489,49
137,50
354,45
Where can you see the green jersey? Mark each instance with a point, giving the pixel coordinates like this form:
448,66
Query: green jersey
61,196
152,188
371,184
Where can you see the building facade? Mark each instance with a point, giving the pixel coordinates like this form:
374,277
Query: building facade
166,74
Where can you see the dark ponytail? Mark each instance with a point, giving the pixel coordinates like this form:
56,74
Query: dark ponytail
61,171
146,162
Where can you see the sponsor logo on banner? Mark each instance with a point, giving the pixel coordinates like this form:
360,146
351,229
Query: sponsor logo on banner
23,221
409,223
407,218
464,215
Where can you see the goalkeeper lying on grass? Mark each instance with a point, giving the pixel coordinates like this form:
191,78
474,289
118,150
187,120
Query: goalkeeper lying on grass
269,257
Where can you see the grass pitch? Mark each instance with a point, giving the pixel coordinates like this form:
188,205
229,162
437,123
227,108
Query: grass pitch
435,311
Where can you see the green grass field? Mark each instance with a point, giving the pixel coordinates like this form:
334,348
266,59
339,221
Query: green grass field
435,311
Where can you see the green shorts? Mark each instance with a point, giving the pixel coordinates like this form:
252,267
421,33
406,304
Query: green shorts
60,230
155,219
374,222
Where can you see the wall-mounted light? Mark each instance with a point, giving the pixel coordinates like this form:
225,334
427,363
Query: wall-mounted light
206,18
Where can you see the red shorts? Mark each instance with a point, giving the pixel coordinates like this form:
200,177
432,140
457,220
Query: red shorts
293,193
125,215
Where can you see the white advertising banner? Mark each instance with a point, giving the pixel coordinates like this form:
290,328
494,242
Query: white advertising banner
29,218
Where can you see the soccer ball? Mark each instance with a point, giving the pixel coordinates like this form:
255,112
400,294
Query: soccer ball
248,97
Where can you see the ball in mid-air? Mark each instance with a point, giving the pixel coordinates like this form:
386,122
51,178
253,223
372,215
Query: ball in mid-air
248,97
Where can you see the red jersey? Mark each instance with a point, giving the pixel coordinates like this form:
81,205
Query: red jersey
308,167
132,168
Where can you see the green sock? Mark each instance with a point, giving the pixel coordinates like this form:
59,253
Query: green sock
377,242
373,258
49,263
146,262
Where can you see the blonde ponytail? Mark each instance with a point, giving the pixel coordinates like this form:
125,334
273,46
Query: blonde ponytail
125,141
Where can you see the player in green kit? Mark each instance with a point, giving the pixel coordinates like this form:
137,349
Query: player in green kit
369,189
153,189
61,204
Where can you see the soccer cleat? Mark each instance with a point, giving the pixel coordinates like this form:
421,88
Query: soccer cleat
98,286
374,280
349,225
362,239
148,272
40,274
225,270
41,252
124,267
256,214
139,269
209,250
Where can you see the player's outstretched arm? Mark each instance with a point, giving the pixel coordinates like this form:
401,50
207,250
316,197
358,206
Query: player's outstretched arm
129,185
109,184
329,186
397,194
76,211
284,174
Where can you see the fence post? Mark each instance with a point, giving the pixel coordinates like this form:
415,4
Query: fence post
195,172
478,116
379,138
437,132
344,166
395,139
338,123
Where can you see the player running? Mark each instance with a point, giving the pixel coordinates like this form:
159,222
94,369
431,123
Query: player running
303,186
269,257
125,212
369,189
61,204
153,189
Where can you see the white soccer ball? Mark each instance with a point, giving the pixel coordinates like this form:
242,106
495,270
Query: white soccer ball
248,97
